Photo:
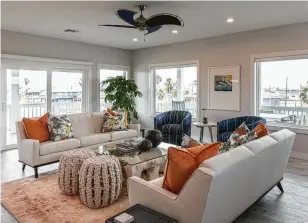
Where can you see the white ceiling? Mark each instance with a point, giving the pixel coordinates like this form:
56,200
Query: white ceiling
202,19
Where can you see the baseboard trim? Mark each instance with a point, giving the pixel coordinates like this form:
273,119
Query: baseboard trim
298,155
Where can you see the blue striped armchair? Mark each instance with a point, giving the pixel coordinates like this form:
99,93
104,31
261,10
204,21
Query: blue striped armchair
173,125
226,127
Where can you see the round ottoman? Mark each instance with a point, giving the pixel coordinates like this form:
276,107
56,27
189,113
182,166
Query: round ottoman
68,170
100,181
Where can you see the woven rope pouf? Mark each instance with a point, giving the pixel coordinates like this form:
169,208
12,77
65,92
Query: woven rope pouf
68,170
100,181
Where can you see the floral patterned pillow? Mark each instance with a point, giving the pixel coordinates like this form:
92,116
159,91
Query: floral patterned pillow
188,142
242,129
237,139
59,127
114,122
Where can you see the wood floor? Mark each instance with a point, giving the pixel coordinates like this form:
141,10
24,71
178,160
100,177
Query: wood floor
290,207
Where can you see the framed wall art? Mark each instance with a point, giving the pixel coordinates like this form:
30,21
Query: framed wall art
224,88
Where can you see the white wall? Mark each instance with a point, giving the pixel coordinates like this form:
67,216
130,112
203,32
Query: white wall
37,46
217,51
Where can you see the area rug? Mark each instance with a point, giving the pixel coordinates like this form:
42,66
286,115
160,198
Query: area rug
40,200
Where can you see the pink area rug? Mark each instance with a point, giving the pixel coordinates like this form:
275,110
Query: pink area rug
40,200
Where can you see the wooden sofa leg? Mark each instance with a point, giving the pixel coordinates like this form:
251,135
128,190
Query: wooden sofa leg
23,166
35,172
280,187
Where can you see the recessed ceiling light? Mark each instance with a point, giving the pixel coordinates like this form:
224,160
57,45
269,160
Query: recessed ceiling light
230,20
135,39
175,31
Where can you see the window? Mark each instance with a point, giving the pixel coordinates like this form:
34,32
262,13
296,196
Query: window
32,86
106,73
282,86
66,92
175,88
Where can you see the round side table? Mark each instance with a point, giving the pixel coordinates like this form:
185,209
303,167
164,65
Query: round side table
201,125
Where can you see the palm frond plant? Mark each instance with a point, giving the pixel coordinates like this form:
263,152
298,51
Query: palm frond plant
304,94
122,94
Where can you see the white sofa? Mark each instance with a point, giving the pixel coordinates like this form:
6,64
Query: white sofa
224,186
87,133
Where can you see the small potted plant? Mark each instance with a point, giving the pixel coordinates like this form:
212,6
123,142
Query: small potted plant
204,119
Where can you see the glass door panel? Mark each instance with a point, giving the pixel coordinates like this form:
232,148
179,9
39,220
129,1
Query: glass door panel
67,92
25,96
104,75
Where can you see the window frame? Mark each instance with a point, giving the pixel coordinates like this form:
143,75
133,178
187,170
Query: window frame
255,84
49,65
107,67
152,84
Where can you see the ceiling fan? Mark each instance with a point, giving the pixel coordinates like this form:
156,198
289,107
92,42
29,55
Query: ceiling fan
146,25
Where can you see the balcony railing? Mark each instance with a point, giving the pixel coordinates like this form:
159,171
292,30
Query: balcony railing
285,114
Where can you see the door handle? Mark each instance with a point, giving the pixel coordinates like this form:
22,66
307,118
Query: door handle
3,107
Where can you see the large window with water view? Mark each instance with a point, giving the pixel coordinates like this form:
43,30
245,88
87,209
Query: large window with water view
283,91
176,88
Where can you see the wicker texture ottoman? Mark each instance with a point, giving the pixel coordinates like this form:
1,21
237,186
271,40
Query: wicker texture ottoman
100,181
68,170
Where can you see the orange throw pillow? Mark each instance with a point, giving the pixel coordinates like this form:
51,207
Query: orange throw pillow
113,113
37,129
182,163
261,130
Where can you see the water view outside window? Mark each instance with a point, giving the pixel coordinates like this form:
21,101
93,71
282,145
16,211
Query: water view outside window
66,93
178,85
284,91
104,75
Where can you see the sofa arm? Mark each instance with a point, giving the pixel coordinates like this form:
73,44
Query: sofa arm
150,195
29,151
134,127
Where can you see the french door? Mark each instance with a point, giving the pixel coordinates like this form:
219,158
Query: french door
31,91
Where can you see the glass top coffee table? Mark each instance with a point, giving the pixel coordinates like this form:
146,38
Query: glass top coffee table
135,162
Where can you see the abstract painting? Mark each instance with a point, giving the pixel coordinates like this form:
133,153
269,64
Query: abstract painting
223,82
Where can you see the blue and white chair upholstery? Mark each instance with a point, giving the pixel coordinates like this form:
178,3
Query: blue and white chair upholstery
226,127
173,125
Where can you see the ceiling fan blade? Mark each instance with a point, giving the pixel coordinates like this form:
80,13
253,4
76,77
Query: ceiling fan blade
127,16
164,19
152,29
120,26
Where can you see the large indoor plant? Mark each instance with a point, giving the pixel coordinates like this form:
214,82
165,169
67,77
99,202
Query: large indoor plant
122,94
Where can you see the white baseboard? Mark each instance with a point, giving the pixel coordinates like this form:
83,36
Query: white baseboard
298,155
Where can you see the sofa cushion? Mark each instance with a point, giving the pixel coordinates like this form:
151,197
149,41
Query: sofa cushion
49,147
182,163
82,124
94,139
113,122
188,142
60,127
37,129
118,135
97,121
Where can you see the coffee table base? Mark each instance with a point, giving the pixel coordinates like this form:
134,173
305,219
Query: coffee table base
151,166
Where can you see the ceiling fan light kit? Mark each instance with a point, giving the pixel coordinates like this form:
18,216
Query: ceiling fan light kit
146,25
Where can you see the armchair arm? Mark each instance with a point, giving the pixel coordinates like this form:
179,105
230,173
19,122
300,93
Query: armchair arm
186,124
159,121
28,151
229,124
135,127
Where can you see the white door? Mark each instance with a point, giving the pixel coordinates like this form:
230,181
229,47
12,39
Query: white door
23,94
